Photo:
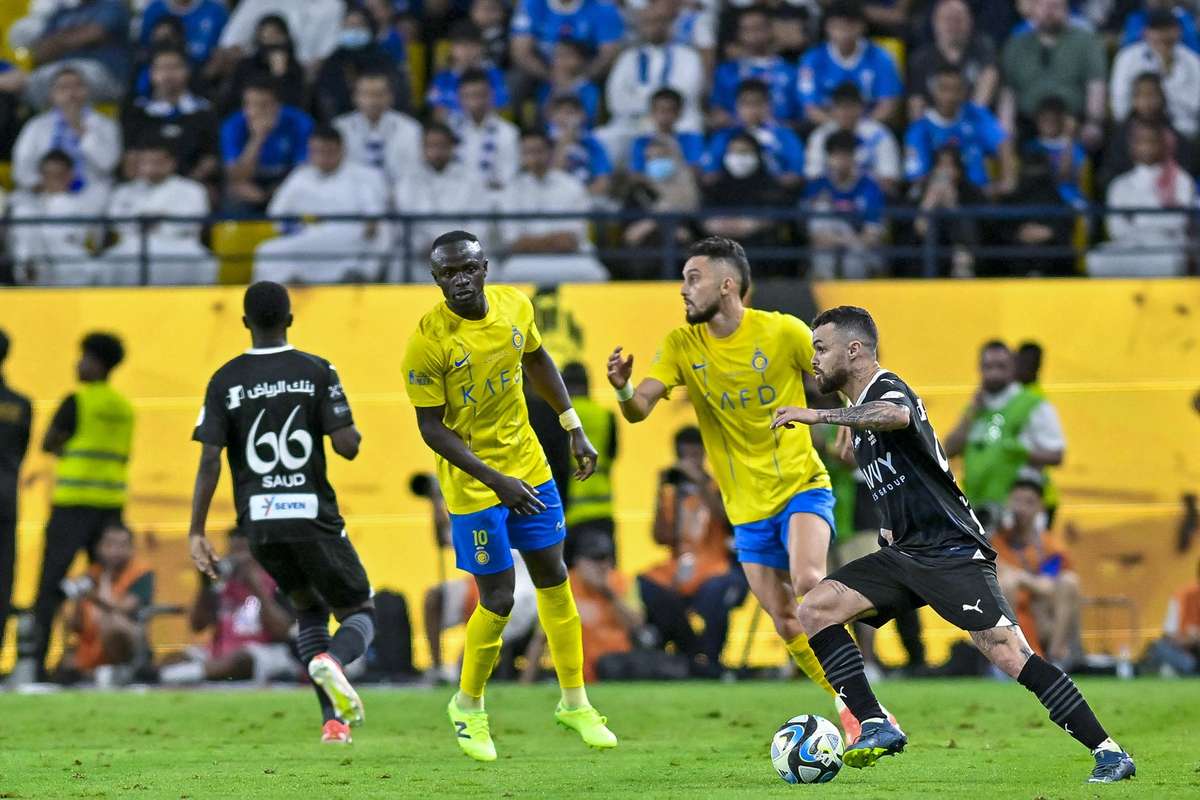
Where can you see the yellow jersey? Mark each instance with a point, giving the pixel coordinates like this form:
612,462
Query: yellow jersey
735,385
473,368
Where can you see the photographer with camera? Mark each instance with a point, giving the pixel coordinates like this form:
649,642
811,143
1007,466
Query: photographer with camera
108,599
250,626
699,575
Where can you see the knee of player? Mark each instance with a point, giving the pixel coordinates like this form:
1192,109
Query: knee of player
787,623
815,614
498,600
805,579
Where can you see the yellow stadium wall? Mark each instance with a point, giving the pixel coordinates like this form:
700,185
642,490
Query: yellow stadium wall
1122,365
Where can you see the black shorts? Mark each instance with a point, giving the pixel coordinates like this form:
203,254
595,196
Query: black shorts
963,591
328,565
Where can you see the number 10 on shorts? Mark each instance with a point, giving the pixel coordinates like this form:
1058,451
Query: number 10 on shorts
481,540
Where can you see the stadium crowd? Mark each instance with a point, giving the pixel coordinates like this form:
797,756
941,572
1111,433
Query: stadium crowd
834,113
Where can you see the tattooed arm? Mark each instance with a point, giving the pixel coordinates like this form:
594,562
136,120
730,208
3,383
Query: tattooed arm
878,415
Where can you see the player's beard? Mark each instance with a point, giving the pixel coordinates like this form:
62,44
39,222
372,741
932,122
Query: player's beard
830,382
699,316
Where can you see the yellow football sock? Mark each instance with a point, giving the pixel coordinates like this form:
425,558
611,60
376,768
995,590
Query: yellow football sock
807,661
564,635
480,653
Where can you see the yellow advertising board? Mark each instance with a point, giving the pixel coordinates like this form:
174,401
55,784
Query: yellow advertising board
1122,365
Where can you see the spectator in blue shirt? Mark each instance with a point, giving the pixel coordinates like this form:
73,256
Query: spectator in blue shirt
783,154
260,145
203,21
537,25
466,53
568,76
756,60
93,36
851,239
848,56
1062,152
576,151
1135,23
666,109
972,130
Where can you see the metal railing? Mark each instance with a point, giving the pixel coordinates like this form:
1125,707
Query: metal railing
399,255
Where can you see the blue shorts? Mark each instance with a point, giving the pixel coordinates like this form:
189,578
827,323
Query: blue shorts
766,541
484,541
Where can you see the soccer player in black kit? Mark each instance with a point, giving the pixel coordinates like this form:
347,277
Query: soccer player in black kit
271,408
933,551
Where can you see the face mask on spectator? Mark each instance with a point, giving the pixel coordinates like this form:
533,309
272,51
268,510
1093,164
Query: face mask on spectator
660,169
740,165
355,38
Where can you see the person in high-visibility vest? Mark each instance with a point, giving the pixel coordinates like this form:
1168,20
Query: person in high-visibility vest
91,434
1008,431
15,420
590,502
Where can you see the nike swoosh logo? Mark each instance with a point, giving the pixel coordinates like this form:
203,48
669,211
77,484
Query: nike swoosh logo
459,362
701,365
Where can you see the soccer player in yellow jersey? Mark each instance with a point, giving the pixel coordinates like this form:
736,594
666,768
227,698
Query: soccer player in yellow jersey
464,367
739,364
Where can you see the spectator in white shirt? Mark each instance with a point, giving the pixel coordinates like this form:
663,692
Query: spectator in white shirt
644,68
1146,244
1160,53
49,253
326,252
487,143
878,153
316,25
437,184
374,134
90,139
547,251
172,244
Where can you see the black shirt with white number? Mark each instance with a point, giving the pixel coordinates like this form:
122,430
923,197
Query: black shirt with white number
271,410
921,508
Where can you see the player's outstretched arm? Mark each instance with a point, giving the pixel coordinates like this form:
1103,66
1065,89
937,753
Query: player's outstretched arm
512,492
546,380
878,415
636,404
207,474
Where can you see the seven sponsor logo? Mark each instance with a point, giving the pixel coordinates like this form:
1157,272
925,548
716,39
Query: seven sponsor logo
265,507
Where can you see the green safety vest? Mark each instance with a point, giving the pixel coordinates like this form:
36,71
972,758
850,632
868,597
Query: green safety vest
592,499
993,458
93,467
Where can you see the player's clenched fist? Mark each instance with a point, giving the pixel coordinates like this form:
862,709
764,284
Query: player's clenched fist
620,369
788,416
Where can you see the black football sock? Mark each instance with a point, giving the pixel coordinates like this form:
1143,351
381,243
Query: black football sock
313,638
1058,693
843,664
353,636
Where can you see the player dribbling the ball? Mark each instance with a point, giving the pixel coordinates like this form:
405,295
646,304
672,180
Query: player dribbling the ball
933,550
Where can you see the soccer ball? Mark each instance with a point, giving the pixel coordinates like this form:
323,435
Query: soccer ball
807,749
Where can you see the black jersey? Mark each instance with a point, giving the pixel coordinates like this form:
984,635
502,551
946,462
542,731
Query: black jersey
271,408
921,508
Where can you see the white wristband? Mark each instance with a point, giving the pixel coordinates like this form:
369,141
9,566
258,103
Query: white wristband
625,392
569,420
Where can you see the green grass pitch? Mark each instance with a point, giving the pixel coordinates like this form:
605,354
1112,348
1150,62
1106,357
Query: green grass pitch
969,739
